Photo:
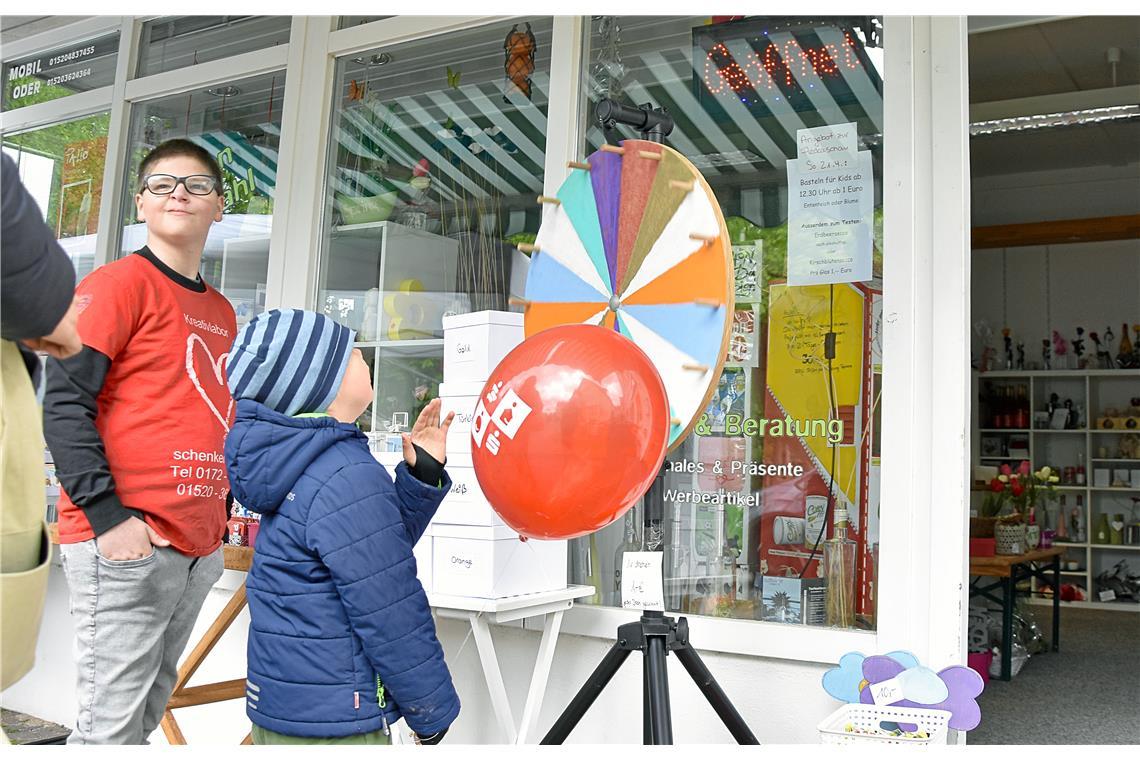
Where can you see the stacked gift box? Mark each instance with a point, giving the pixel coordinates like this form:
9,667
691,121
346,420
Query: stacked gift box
474,553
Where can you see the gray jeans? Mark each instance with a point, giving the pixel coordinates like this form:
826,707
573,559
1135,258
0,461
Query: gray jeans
132,621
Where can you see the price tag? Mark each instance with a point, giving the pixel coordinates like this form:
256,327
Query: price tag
641,584
887,692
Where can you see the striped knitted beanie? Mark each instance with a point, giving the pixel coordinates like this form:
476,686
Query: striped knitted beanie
291,360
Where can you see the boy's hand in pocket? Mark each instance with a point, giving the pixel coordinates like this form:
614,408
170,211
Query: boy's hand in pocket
130,539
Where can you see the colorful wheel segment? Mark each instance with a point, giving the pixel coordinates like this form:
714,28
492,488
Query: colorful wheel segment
637,243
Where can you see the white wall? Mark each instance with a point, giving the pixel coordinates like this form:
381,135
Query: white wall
1093,285
781,701
1056,195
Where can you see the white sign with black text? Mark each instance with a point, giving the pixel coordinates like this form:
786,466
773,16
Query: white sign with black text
831,204
641,585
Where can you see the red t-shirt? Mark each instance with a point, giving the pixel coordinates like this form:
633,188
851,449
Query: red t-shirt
165,408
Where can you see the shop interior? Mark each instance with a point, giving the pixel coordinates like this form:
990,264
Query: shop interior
1055,184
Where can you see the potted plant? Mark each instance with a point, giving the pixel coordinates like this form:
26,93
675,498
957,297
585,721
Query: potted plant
1011,502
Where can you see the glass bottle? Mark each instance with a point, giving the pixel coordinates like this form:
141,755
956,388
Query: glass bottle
839,570
1102,530
631,543
1078,526
1080,468
1021,420
723,563
1062,521
676,566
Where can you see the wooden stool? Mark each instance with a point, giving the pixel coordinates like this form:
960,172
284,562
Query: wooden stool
237,558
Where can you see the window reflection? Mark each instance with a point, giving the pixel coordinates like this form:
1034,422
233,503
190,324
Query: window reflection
748,503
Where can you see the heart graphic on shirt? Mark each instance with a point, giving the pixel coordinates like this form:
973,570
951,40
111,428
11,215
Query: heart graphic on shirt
217,366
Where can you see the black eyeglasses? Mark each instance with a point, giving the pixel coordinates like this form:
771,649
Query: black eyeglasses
195,184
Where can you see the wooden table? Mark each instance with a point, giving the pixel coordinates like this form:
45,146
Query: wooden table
1009,569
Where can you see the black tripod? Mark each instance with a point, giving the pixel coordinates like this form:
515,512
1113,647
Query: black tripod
655,635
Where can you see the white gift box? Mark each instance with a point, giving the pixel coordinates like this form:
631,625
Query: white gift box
460,398
475,343
465,504
1101,477
491,562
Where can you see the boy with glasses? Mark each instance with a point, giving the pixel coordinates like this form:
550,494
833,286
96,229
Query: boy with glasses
136,423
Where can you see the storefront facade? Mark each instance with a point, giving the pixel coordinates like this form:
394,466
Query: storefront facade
338,135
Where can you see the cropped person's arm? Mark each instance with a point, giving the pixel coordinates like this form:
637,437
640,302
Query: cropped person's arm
36,275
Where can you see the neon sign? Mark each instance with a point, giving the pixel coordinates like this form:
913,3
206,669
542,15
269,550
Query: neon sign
776,65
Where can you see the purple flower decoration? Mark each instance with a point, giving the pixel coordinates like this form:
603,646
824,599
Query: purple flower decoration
963,686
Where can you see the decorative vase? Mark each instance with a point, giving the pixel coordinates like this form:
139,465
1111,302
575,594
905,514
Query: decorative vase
1032,537
1116,530
1009,538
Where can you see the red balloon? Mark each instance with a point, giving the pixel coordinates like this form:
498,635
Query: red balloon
569,431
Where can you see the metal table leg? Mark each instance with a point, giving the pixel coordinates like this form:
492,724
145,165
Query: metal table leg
1007,626
1056,603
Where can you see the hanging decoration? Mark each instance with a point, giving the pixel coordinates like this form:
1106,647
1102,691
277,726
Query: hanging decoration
520,48
607,74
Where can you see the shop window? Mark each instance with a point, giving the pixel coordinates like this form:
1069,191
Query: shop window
240,124
436,158
783,117
62,167
63,71
175,42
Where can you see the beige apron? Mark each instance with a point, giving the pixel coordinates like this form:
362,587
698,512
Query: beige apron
25,550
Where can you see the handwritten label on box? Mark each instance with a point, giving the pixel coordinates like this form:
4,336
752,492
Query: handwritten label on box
641,584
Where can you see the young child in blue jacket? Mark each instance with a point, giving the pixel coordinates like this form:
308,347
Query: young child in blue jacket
341,638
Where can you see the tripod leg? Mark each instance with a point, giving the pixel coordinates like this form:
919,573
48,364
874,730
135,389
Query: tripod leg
647,719
714,694
661,722
586,695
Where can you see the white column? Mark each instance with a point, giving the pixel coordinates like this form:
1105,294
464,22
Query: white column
564,113
118,143
300,198
926,353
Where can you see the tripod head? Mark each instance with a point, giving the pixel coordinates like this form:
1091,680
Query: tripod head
654,124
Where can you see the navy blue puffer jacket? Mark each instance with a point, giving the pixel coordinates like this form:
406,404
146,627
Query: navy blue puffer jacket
336,610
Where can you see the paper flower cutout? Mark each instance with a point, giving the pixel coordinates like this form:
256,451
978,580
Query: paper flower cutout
845,682
923,685
906,659
963,685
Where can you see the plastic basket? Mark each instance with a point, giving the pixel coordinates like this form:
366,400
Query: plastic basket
832,730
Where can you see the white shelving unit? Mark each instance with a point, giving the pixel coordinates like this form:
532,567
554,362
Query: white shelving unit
1092,391
393,285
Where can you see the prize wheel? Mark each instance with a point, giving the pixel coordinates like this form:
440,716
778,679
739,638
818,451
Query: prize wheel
635,241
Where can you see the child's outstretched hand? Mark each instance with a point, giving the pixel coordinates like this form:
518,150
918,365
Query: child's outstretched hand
428,434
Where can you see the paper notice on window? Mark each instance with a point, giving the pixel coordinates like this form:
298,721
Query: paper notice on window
831,203
641,584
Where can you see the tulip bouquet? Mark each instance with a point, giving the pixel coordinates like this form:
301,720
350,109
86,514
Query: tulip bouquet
1020,490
